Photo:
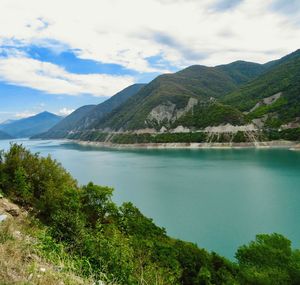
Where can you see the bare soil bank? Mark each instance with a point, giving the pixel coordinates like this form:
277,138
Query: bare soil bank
270,144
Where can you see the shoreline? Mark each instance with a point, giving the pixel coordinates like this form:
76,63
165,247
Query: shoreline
291,145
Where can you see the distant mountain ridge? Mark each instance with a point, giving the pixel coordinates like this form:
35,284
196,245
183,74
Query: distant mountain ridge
5,136
30,126
68,123
250,95
87,115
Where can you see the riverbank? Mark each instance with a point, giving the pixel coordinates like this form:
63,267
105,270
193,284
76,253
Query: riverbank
260,145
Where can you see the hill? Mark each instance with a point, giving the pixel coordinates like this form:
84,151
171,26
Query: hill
85,116
5,136
169,97
237,102
27,255
274,97
67,124
30,126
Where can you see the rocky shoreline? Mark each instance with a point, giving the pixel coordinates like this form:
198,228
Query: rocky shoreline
259,145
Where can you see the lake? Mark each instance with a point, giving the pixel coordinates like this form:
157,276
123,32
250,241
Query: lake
219,199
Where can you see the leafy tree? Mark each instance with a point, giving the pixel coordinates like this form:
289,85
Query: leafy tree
267,260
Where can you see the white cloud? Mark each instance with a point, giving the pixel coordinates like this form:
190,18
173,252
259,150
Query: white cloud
65,112
123,32
24,114
51,78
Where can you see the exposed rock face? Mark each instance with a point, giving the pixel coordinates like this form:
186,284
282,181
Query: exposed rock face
162,112
7,207
168,112
191,103
144,131
267,101
291,125
180,129
231,129
260,122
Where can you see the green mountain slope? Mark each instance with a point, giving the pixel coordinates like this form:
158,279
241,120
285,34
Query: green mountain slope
70,122
170,96
84,116
260,98
109,105
280,85
30,126
243,71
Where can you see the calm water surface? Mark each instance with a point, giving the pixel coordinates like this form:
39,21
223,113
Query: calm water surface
219,199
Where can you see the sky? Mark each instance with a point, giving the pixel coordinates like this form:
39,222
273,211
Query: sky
58,55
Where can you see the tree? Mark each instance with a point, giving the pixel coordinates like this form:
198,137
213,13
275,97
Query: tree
267,260
97,204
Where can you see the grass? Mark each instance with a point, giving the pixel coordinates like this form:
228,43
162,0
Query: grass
27,258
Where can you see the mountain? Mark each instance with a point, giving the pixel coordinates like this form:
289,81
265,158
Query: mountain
67,124
243,71
169,97
9,121
249,101
274,97
32,125
87,115
5,136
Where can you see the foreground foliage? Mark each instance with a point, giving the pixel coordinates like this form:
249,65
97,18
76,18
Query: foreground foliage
122,244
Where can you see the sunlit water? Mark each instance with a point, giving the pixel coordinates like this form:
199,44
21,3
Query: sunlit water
219,199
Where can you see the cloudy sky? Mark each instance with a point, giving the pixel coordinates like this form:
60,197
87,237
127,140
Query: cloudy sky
57,55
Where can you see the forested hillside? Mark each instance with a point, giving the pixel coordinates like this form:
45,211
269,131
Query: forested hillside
85,116
260,101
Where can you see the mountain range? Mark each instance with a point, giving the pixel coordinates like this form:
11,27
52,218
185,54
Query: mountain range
253,97
5,136
30,126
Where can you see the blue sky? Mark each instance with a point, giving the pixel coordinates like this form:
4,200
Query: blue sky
59,55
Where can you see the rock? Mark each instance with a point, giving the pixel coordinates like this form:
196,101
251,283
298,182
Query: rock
167,111
267,101
3,217
180,129
17,234
228,128
162,112
10,208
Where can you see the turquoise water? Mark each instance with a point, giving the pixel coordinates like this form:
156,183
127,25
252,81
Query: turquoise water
219,199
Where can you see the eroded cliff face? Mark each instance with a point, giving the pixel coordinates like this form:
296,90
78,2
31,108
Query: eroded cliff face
231,129
162,112
266,101
169,113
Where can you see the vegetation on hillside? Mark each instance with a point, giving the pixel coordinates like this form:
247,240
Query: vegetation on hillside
211,114
84,116
67,124
120,244
29,255
199,82
223,94
283,77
